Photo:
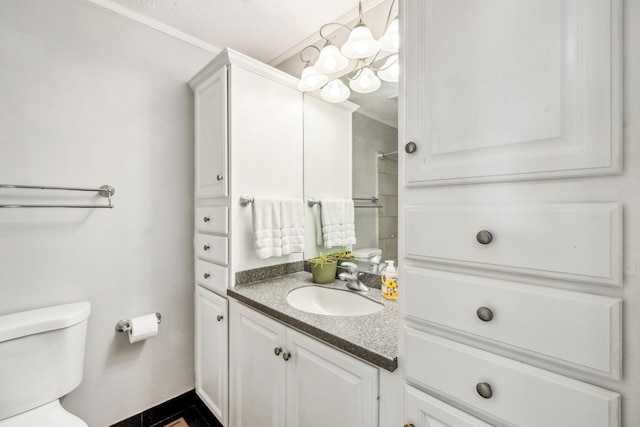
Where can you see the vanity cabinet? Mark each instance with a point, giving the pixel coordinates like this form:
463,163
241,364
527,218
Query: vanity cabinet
211,351
280,377
512,274
248,142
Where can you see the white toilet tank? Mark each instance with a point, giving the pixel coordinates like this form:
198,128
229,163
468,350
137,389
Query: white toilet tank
41,355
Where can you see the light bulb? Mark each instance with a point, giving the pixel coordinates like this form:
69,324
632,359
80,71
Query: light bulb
311,79
360,44
331,60
390,41
335,91
366,82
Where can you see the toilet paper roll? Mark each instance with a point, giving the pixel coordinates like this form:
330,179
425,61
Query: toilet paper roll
143,327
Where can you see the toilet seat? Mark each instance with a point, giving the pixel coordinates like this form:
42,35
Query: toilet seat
51,415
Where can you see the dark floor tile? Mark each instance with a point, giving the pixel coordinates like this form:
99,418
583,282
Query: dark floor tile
167,409
135,421
205,413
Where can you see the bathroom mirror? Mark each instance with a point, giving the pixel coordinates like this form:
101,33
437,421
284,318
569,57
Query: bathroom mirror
367,171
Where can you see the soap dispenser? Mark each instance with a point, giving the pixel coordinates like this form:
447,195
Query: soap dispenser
390,281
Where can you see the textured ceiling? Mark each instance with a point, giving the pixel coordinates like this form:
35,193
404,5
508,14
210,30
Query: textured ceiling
262,29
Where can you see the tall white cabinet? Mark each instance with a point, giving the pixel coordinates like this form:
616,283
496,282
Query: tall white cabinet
248,142
514,293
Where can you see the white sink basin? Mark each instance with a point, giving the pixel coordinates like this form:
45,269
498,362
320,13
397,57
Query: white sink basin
331,302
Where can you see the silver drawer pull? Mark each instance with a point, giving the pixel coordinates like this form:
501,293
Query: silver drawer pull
207,275
484,390
206,219
277,351
485,314
220,317
484,237
206,247
219,177
286,356
409,425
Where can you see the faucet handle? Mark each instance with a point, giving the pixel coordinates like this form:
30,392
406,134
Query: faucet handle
351,267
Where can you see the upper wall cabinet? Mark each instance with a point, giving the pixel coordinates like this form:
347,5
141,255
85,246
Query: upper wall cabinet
211,135
544,102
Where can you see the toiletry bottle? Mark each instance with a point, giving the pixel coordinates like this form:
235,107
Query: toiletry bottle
390,282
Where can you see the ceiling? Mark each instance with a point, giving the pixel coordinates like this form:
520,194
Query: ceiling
271,31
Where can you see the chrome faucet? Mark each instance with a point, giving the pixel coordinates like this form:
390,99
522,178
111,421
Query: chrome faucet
352,277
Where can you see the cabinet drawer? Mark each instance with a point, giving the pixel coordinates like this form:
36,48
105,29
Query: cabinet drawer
575,329
212,248
212,219
423,410
514,392
212,276
580,242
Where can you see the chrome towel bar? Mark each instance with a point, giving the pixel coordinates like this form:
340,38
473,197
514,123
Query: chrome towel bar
104,191
311,202
245,201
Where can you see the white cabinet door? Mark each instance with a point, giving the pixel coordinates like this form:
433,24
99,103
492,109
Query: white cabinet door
512,90
423,410
257,369
211,136
211,352
326,387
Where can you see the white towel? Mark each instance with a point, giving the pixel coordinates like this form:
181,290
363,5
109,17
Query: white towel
292,225
338,229
267,237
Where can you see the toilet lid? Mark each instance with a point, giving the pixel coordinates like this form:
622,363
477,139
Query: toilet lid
51,415
366,253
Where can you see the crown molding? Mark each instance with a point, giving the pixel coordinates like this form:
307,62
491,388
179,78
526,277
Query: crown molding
156,25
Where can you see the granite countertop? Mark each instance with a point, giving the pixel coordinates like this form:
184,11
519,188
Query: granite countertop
373,337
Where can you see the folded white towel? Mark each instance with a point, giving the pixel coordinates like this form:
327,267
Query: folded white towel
292,225
338,228
267,236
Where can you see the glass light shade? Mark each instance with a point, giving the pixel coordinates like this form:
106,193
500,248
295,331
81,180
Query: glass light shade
366,82
390,41
311,79
335,91
360,44
390,70
331,60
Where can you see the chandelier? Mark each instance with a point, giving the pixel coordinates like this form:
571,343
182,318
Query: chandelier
353,62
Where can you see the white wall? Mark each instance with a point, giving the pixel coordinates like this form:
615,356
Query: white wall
90,98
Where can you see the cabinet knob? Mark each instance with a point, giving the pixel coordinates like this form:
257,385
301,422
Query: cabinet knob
484,237
277,351
206,247
485,314
219,177
207,275
286,356
220,317
410,147
484,390
206,219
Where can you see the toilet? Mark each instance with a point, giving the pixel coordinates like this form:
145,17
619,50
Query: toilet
363,256
42,358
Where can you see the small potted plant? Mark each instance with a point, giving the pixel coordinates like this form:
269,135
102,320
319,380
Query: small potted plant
323,268
343,255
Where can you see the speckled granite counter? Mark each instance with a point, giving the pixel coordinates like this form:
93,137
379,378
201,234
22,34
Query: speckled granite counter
371,337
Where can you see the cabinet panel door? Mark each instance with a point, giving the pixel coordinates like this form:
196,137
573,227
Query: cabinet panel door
257,372
212,276
212,219
512,90
513,392
212,352
572,241
422,410
326,387
211,136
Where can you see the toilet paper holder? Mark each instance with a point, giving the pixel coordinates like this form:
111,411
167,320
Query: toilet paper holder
125,325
